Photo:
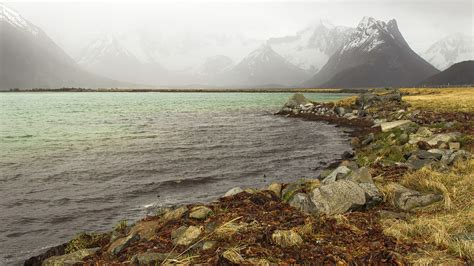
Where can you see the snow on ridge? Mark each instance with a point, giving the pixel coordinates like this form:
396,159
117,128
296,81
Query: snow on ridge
451,49
106,45
311,47
369,34
16,20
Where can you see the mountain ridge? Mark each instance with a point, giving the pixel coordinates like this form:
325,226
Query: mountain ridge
30,59
375,55
459,74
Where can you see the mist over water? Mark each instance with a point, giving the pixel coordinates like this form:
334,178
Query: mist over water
73,162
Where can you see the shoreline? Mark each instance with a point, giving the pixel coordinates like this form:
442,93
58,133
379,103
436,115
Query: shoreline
305,223
177,90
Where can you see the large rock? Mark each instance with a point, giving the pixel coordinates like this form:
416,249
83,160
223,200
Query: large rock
367,99
233,191
407,199
152,258
339,173
302,202
276,188
387,126
361,175
297,100
73,258
338,197
460,155
200,212
290,190
421,134
445,137
286,238
372,194
122,243
187,236
176,213
146,229
425,135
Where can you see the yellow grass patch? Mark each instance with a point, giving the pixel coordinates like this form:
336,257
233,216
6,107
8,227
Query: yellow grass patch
347,102
442,99
446,225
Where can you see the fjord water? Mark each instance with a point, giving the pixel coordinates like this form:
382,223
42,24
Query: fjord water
74,162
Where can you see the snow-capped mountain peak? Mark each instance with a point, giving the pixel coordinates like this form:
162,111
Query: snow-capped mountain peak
371,33
15,19
106,45
311,47
264,53
450,50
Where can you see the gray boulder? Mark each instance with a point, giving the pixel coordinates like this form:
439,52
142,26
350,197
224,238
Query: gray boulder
302,202
387,126
200,212
408,199
73,258
152,258
122,243
338,197
339,173
368,140
372,194
296,101
460,155
290,190
368,99
361,175
233,191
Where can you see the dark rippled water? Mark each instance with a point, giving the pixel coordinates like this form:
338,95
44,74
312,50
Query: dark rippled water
74,162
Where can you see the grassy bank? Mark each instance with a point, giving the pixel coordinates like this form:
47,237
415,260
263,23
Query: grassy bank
441,100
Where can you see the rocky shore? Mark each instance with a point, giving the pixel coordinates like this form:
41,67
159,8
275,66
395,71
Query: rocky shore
408,178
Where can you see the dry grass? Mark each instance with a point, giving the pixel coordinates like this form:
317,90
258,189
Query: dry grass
442,224
346,102
442,99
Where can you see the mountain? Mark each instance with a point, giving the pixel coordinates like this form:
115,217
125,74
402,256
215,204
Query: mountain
375,55
107,56
30,59
263,66
311,48
214,65
452,49
458,74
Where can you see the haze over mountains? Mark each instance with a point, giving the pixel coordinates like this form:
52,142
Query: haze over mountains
450,50
373,54
30,59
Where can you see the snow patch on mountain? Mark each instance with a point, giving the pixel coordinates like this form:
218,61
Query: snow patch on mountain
105,46
369,35
15,19
311,47
450,50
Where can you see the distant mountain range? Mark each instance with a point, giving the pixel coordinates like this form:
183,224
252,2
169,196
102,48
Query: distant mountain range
375,55
449,50
311,48
458,74
262,67
30,59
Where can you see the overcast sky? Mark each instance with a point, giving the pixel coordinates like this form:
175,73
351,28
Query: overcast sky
73,25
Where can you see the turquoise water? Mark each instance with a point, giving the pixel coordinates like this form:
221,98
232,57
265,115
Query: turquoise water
82,161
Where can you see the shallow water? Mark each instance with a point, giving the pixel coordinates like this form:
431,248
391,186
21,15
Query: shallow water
72,162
